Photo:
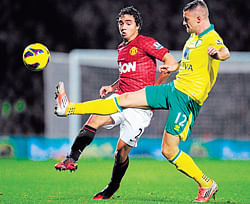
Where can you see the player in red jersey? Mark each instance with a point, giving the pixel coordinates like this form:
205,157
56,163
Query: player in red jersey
137,56
137,63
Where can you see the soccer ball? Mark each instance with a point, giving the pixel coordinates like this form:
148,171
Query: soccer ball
36,57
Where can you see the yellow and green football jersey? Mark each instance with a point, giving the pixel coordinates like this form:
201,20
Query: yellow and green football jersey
198,70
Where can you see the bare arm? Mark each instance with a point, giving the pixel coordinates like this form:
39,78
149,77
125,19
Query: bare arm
220,54
108,89
162,78
168,59
169,68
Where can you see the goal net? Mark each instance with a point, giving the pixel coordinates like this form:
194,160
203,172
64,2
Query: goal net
225,113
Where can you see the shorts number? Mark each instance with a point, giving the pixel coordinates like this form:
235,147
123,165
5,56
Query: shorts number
182,119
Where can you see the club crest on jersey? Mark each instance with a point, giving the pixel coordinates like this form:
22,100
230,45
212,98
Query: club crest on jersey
198,42
158,45
133,51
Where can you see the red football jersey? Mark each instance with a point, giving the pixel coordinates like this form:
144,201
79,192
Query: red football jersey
137,63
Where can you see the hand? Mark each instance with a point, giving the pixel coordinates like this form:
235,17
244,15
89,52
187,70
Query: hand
105,90
221,54
167,68
212,51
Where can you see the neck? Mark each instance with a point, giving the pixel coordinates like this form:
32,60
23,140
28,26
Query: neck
126,41
203,27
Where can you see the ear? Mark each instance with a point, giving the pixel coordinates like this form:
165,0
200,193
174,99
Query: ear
198,19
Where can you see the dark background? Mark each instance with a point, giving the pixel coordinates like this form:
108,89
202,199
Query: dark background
63,25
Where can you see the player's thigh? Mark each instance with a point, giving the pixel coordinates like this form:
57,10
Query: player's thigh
182,114
97,121
135,99
133,125
157,96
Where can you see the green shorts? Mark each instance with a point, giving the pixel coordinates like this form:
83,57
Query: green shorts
182,109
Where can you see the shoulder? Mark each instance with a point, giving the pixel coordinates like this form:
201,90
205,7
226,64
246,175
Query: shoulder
142,38
214,38
213,35
149,42
120,45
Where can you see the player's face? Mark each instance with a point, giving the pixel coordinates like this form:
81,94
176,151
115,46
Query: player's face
127,27
190,21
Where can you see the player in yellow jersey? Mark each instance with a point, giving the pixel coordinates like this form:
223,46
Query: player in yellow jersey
183,97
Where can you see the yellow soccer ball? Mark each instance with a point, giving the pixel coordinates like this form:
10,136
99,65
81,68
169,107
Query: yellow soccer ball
36,57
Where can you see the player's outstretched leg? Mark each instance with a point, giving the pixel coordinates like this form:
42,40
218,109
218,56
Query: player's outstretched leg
67,164
62,100
65,107
205,194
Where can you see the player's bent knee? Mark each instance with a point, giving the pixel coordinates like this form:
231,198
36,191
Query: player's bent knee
168,152
97,121
165,153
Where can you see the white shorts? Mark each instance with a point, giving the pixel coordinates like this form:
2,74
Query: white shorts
132,123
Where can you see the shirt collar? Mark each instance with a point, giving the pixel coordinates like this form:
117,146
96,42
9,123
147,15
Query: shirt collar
206,31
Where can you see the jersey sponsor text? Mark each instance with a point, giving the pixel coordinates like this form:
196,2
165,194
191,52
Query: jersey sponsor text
127,67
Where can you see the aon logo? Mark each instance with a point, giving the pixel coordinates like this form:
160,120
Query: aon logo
127,67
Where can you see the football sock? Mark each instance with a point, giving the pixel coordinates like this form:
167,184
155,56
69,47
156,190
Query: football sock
186,165
99,106
84,138
205,182
119,170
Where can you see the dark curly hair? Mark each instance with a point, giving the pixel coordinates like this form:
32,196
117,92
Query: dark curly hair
130,10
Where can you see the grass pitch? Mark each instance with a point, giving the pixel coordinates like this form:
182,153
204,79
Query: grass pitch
146,181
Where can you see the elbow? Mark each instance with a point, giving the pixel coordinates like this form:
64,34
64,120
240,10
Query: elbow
227,55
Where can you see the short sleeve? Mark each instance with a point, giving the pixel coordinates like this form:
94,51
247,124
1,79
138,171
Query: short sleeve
216,41
153,48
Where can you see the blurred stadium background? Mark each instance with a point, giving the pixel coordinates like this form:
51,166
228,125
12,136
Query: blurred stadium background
28,128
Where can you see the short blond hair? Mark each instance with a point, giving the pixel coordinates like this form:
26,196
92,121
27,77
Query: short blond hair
194,4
